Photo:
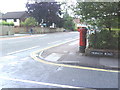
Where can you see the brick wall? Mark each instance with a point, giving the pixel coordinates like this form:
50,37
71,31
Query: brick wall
6,30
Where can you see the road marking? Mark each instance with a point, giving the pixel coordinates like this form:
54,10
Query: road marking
13,63
22,50
73,32
43,38
7,57
71,66
26,58
54,57
33,55
18,41
40,83
55,42
74,43
68,39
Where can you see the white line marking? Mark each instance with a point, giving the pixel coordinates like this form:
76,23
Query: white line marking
22,50
54,57
73,32
55,42
38,35
25,58
13,63
73,43
68,39
18,41
7,57
40,83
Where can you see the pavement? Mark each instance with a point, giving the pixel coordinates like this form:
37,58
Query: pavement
14,35
17,35
68,53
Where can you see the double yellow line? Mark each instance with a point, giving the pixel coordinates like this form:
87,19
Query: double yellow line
34,56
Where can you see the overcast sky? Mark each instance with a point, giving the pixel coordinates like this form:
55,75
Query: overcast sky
12,5
16,5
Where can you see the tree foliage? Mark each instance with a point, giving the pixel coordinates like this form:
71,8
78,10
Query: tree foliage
104,40
68,22
29,22
7,23
49,12
101,13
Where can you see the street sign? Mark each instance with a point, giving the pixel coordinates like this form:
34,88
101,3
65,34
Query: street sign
100,53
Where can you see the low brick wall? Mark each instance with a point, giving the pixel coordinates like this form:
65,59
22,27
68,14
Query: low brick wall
10,30
6,30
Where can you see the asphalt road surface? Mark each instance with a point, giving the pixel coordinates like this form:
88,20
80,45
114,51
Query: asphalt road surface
19,70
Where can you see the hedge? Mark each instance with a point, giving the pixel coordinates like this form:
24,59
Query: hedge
7,23
104,40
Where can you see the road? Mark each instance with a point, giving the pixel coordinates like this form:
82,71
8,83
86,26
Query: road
19,70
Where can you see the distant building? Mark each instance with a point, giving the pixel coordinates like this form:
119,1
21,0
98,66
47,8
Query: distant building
38,1
77,22
15,17
1,15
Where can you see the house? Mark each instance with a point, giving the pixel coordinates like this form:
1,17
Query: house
77,22
1,15
15,17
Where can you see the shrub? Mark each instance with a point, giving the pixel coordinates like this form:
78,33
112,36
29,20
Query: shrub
7,23
104,40
11,24
29,22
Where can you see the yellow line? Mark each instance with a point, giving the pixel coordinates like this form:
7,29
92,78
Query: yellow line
33,55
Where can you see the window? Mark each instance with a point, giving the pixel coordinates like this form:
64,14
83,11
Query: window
4,20
15,20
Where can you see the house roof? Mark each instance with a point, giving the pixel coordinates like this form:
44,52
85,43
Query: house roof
76,20
14,15
1,14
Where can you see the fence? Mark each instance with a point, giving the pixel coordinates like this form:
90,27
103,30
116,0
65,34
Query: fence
10,30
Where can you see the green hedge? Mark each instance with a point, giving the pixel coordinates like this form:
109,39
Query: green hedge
7,23
104,40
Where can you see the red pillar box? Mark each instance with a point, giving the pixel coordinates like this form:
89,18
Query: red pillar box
82,41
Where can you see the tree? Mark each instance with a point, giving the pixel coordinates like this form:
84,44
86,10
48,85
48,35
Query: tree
45,12
101,13
29,22
68,22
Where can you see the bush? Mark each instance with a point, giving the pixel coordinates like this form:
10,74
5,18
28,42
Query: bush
7,23
11,24
29,22
104,40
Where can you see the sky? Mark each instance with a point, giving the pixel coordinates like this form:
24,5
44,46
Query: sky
12,5
16,5
19,5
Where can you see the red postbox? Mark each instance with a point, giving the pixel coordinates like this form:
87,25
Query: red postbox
82,41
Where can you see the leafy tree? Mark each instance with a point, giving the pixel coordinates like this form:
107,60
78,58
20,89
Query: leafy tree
101,13
48,12
29,22
68,22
